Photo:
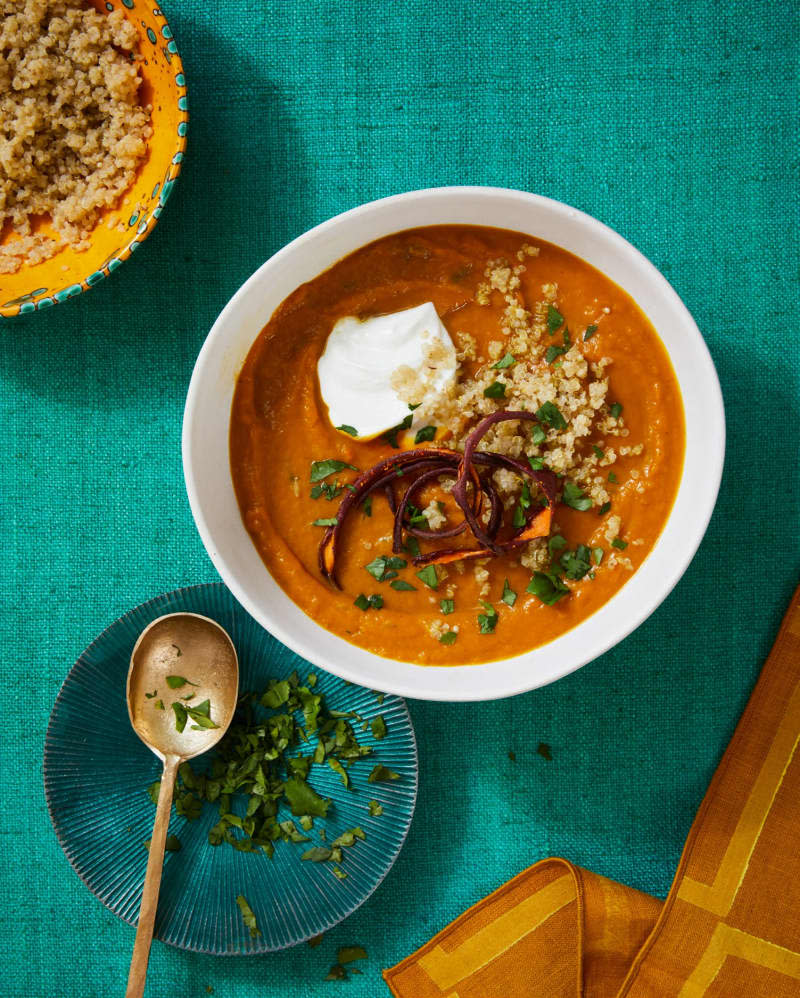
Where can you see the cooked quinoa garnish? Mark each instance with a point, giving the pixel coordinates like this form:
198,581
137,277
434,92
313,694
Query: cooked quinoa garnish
72,130
576,386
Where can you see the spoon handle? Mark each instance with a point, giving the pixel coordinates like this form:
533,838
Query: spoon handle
152,881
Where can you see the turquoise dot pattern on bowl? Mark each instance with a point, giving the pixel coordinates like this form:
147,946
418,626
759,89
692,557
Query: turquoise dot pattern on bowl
96,774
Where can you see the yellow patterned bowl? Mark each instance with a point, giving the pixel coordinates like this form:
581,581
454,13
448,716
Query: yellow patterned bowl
69,272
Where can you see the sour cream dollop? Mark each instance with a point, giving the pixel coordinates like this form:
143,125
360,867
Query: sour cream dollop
372,371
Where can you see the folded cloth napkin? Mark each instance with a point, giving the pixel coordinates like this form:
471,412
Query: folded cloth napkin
730,926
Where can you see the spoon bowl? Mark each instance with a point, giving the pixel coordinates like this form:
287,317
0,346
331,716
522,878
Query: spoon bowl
191,647
182,689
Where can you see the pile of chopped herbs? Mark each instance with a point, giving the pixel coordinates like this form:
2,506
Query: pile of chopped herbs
265,760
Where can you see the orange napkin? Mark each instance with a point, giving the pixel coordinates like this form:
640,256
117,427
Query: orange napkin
730,926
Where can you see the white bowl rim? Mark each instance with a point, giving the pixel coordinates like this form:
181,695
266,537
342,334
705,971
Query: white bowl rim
503,678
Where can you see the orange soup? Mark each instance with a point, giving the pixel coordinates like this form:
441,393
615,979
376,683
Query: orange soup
504,549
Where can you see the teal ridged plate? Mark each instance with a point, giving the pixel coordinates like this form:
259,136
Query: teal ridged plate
96,775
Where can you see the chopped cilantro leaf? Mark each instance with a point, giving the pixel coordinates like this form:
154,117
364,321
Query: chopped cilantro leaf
555,320
428,576
385,567
536,463
321,469
447,606
508,361
598,451
496,390
509,597
175,682
366,506
378,727
597,554
619,543
550,414
538,436
375,809
554,352
487,621
547,587
391,435
604,508
556,543
248,917
616,410
590,331
425,433
402,586
380,774
348,429
612,478
576,563
448,638
575,498
325,521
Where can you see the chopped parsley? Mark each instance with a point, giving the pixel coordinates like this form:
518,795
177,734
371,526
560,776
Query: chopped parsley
402,586
348,429
322,469
448,638
590,331
509,597
428,576
547,587
556,543
619,544
508,361
575,498
424,434
447,606
538,436
550,414
496,390
616,410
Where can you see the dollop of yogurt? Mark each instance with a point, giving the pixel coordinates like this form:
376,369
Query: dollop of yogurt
374,371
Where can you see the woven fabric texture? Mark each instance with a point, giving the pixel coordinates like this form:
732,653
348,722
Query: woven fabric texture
673,123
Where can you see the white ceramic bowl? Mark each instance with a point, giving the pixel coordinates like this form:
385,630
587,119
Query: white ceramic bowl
208,406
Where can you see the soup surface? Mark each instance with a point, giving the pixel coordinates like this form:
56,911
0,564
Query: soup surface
536,329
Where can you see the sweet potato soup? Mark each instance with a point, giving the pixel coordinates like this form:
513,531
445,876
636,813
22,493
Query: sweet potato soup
534,468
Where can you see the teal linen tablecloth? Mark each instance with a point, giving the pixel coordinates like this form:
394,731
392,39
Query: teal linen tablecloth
675,124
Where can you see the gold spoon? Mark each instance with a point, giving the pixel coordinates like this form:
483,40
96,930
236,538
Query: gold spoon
198,650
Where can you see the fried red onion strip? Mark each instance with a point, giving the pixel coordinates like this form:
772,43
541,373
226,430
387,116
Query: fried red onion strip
433,462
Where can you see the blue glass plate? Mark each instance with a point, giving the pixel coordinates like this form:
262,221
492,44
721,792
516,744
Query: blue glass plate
96,774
